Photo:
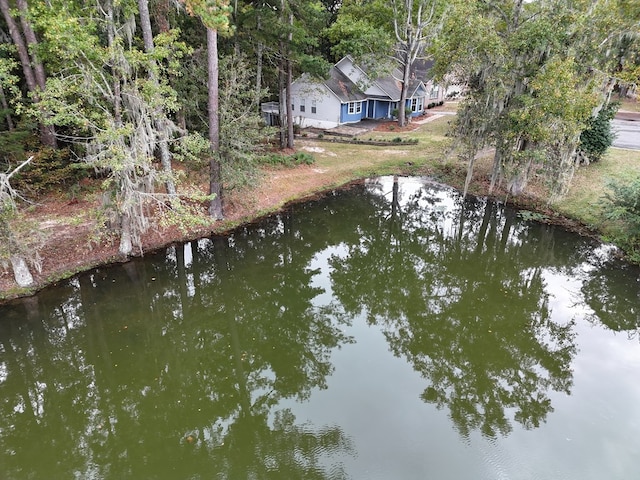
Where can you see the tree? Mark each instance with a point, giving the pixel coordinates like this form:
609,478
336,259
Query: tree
290,44
107,101
215,17
26,44
536,72
242,133
162,123
285,76
414,25
363,30
597,137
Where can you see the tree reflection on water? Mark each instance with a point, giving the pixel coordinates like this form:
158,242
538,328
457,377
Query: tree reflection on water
468,305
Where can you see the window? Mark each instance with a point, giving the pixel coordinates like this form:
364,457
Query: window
313,106
416,104
434,92
302,104
354,107
293,107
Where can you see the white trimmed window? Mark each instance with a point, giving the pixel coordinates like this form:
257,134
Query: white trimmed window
313,106
355,107
302,102
434,92
417,104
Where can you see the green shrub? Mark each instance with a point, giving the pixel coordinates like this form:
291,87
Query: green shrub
598,137
623,207
298,158
397,140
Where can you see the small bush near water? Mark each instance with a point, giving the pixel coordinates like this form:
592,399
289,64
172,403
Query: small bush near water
623,206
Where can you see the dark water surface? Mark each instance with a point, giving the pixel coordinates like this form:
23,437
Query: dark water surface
390,331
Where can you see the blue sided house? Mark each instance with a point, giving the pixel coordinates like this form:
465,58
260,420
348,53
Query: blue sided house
350,95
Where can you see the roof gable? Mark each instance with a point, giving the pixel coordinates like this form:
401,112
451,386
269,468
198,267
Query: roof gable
342,86
347,81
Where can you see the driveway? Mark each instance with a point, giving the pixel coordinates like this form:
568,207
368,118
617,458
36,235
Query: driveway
626,127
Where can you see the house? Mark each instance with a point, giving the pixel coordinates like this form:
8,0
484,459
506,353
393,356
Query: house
350,95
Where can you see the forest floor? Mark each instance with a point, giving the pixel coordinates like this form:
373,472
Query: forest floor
70,240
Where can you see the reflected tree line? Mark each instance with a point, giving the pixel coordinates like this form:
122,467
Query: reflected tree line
458,288
174,366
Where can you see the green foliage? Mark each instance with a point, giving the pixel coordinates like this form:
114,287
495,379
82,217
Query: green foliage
363,30
213,13
529,89
15,143
622,206
9,81
192,150
598,137
186,212
50,169
243,135
298,158
530,216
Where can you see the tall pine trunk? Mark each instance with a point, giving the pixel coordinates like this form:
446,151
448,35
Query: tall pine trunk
285,77
215,178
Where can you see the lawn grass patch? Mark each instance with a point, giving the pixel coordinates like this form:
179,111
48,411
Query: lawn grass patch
585,200
629,105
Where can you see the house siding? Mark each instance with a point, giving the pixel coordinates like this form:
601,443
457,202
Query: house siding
326,104
346,117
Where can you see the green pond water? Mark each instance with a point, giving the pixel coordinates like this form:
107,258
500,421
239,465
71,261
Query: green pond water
388,331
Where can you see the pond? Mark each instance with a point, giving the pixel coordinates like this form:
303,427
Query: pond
387,331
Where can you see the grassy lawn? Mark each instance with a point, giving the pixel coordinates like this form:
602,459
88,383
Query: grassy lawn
589,186
345,162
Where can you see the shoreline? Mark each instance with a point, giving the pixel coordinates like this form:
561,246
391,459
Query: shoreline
159,239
